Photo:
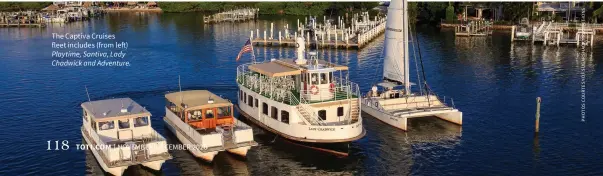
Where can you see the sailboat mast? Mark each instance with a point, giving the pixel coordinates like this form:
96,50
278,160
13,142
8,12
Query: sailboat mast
406,43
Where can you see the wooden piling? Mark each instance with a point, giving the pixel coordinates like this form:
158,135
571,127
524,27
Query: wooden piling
538,100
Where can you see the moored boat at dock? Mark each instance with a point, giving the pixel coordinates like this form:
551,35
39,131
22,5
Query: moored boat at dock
394,104
119,134
205,124
310,102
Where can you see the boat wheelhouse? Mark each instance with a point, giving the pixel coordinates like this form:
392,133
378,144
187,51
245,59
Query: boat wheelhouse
308,101
119,134
394,103
205,124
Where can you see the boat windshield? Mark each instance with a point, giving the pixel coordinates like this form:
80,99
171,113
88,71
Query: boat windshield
141,121
224,112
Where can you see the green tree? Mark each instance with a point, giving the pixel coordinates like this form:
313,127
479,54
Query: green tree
450,15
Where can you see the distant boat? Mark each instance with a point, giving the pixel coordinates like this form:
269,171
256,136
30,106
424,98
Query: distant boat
394,104
310,102
205,124
119,134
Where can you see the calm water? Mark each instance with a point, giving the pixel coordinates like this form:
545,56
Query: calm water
492,81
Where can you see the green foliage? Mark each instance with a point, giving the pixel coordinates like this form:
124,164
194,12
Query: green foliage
22,6
288,8
450,15
598,13
413,12
514,11
270,7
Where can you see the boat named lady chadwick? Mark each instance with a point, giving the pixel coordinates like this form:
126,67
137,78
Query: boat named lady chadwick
205,124
395,103
119,134
310,102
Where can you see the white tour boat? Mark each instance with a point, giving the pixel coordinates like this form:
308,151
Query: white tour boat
119,134
394,103
310,102
205,124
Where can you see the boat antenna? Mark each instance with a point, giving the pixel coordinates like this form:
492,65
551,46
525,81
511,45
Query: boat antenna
86,87
180,88
87,94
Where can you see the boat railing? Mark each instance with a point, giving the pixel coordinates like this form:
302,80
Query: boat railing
307,113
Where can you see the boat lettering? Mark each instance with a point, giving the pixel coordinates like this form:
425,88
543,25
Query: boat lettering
320,129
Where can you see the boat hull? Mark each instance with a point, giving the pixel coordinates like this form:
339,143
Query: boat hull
206,156
334,148
401,121
241,151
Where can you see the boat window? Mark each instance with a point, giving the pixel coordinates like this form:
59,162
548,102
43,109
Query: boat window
314,78
195,115
256,102
106,125
141,121
322,114
265,108
93,123
171,106
84,117
209,113
241,94
274,112
331,77
250,100
123,124
244,95
339,111
285,117
323,78
224,112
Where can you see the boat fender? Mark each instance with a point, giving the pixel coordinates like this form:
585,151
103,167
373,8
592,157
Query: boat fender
314,90
332,87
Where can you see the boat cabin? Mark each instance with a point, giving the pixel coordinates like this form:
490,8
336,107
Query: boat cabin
315,80
119,119
201,109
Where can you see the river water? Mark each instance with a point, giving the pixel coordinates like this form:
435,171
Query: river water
493,82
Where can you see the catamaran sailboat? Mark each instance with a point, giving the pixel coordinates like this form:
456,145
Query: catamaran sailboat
310,102
119,134
205,124
394,103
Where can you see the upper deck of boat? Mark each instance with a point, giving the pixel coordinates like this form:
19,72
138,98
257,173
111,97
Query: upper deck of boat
288,67
112,109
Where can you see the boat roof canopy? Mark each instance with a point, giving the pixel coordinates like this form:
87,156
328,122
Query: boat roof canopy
274,69
196,99
322,62
111,109
288,67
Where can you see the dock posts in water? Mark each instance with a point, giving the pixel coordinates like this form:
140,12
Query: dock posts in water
513,33
538,100
334,33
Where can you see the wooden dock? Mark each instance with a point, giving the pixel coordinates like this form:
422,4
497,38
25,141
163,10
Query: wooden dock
360,32
477,28
38,25
232,16
549,33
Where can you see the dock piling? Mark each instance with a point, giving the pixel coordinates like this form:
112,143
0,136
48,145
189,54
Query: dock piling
538,100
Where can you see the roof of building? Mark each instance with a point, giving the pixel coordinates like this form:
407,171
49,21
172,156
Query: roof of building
51,7
111,109
196,99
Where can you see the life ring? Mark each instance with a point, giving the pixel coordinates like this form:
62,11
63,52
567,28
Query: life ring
314,90
332,87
